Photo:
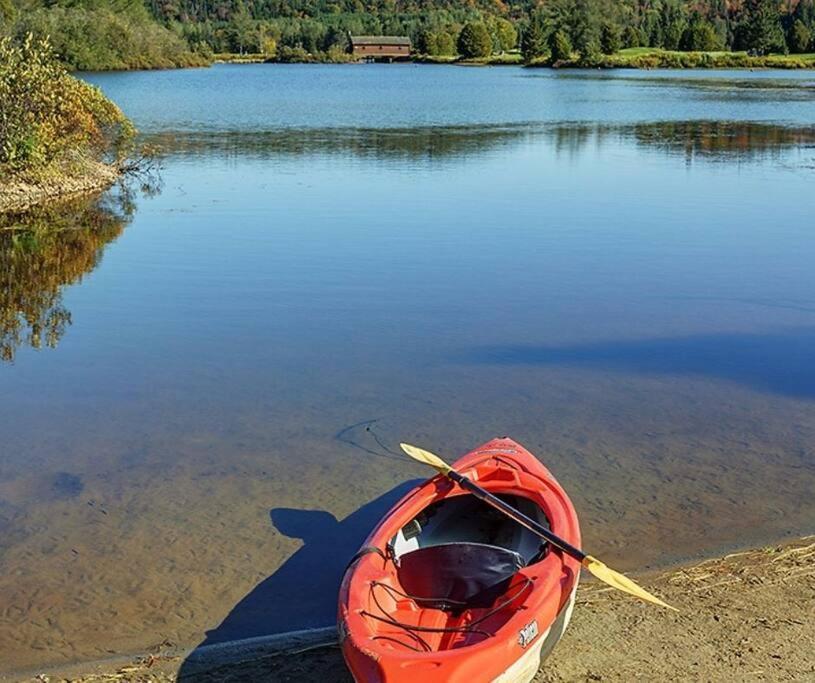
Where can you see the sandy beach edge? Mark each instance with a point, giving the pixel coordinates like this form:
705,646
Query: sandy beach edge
749,615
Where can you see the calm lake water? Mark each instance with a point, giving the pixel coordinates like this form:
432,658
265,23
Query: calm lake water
614,268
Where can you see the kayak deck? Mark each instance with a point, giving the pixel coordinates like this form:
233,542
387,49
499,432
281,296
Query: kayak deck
404,624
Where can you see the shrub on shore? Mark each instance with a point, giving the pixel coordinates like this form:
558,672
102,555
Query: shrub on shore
50,122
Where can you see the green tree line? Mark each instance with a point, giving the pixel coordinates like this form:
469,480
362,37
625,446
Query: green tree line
98,34
480,28
588,28
104,34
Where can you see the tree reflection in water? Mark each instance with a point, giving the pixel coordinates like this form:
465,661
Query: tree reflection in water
703,140
43,251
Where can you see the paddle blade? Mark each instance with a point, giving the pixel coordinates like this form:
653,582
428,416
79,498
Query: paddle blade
427,458
621,582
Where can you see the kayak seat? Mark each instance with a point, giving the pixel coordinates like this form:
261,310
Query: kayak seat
456,576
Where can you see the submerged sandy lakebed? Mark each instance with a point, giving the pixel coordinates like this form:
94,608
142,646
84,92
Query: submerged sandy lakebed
748,616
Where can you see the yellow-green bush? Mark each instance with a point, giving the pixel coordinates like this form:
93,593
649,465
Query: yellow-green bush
49,120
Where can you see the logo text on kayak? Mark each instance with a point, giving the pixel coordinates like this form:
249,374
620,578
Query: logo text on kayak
528,633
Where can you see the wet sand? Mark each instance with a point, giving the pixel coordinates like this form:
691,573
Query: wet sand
746,616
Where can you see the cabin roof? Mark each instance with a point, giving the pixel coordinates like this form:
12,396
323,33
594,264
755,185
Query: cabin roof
380,40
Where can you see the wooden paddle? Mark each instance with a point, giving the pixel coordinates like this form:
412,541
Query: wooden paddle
601,571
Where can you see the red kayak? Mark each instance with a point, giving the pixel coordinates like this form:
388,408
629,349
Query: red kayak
446,589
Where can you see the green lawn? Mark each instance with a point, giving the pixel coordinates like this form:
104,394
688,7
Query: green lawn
655,58
637,51
806,57
513,57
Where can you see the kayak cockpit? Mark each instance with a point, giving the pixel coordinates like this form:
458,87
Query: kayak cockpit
454,578
466,519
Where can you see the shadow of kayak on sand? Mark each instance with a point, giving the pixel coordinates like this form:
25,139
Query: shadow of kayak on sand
302,593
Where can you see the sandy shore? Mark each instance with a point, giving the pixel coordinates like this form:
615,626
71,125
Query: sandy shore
749,616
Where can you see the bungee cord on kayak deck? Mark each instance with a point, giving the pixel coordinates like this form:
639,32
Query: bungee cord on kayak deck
412,628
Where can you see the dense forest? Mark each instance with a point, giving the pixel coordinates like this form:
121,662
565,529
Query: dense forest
108,34
98,34
435,26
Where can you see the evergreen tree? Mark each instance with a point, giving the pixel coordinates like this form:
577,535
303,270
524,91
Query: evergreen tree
762,27
674,22
560,47
592,53
583,22
800,37
610,38
700,36
533,44
632,37
425,42
474,40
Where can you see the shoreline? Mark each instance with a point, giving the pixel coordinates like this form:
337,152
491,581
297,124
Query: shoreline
638,61
633,58
747,614
18,196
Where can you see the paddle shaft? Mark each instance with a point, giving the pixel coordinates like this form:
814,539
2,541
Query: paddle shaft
517,515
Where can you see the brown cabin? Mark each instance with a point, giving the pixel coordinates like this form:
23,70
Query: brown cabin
380,47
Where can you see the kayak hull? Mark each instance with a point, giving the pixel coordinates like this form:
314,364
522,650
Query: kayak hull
524,669
386,638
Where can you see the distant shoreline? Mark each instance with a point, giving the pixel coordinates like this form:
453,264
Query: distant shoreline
631,58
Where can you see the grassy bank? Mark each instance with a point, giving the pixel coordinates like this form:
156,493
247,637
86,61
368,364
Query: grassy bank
631,58
58,135
651,58
656,58
503,59
746,616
